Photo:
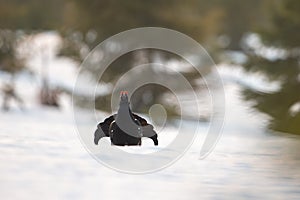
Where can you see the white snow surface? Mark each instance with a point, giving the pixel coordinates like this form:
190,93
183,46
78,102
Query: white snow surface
42,157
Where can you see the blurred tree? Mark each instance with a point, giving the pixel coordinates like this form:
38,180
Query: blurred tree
93,21
18,17
199,19
282,34
30,14
9,61
240,18
83,24
202,20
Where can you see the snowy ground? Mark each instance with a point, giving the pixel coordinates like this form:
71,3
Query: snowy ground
42,157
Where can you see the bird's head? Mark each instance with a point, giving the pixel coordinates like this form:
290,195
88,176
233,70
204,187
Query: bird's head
124,98
124,111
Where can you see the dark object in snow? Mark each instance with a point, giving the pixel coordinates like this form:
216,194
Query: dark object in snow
125,127
48,96
10,94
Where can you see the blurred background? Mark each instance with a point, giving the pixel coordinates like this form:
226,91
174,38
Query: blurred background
257,36
254,43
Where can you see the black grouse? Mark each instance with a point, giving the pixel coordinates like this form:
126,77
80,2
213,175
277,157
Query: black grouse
125,127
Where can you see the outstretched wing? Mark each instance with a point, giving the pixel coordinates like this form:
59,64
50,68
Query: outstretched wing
147,129
142,121
103,129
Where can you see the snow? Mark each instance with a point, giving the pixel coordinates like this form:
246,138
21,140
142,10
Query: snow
42,156
255,81
295,108
273,53
40,51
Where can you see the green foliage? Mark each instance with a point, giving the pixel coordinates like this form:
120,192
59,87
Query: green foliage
284,29
31,14
283,32
8,59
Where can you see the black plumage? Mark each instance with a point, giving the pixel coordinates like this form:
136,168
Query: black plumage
125,127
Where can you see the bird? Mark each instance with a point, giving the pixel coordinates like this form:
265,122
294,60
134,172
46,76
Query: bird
125,128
